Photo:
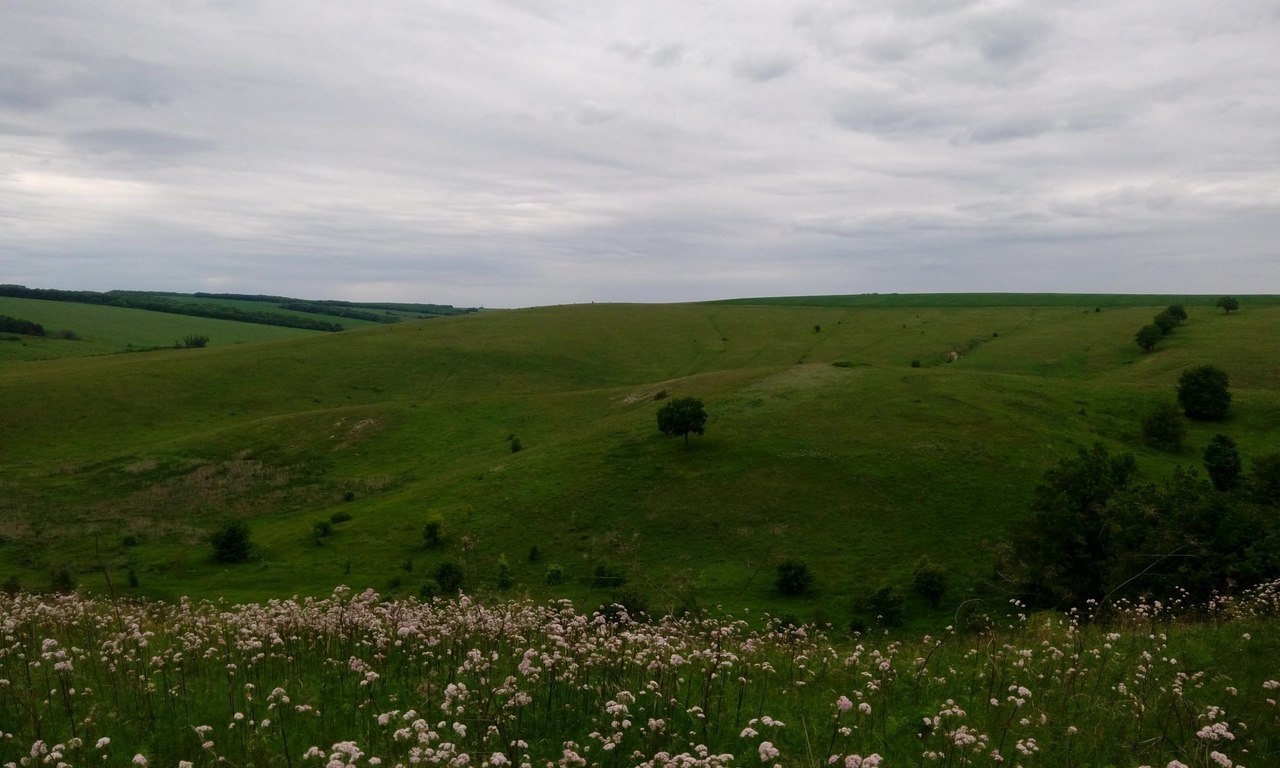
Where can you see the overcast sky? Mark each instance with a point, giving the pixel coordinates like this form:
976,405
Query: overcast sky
520,152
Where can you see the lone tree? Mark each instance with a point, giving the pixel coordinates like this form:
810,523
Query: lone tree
1222,462
682,416
1148,335
1203,393
1228,303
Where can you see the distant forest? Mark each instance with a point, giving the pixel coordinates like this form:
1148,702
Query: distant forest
168,302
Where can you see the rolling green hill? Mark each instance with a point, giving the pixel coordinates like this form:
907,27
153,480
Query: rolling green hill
824,443
80,323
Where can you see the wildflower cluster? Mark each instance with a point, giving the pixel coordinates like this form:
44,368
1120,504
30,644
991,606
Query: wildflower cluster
352,681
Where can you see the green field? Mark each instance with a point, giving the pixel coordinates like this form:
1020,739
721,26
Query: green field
825,445
104,330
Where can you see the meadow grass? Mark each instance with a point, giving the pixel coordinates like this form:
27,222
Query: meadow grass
355,680
825,445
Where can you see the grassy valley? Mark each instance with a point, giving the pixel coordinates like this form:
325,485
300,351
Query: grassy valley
824,443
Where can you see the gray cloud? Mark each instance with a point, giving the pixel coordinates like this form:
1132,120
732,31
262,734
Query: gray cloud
137,141
762,66
518,152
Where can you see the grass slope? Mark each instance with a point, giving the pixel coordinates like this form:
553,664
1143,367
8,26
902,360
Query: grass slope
939,300
823,445
105,330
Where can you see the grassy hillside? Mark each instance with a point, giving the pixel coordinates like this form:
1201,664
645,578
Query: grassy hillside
941,300
102,330
79,323
825,445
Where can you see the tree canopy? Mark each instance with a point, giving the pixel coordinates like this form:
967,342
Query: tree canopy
1203,393
682,416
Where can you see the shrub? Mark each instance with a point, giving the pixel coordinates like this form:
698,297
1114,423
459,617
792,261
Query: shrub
626,598
504,578
884,605
1222,462
554,575
1203,393
193,341
1177,312
516,445
534,554
794,577
915,363
1164,427
321,529
231,542
660,395
61,580
339,517
1264,481
432,533
429,591
609,576
133,579
129,541
348,495
11,586
929,581
449,577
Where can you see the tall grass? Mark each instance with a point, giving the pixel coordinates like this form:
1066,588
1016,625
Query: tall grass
353,680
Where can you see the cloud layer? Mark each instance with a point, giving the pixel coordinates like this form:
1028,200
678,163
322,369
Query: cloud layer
517,152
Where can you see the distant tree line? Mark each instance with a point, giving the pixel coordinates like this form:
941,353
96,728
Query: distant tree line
160,303
417,309
1162,325
24,327
353,314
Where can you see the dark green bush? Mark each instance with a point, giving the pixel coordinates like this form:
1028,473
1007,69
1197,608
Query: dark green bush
504,579
884,606
61,580
339,517
1164,427
1222,462
1203,393
1264,480
609,576
554,576
794,578
449,577
432,533
929,581
231,542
